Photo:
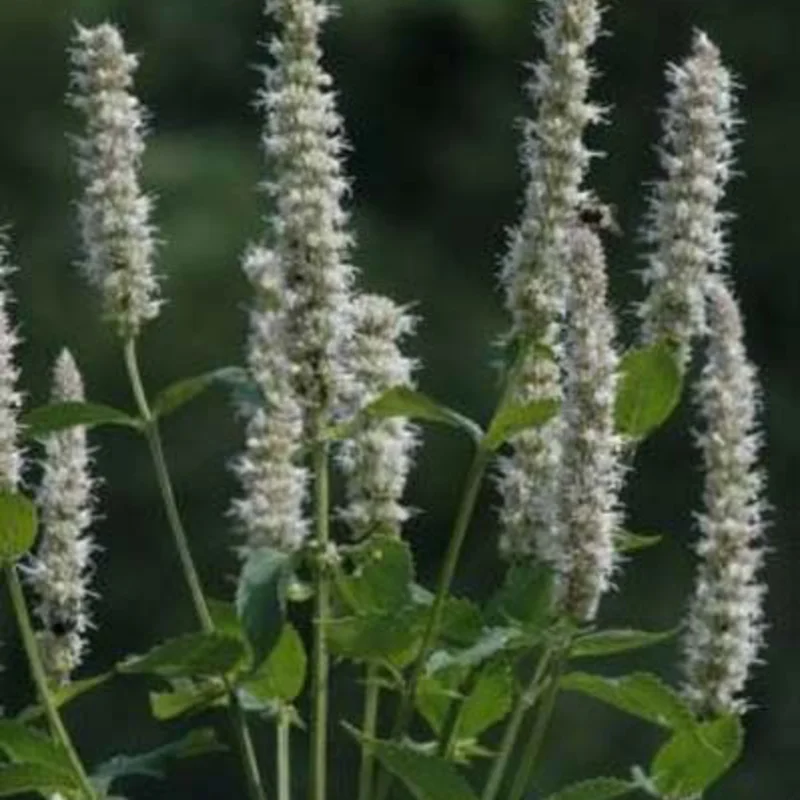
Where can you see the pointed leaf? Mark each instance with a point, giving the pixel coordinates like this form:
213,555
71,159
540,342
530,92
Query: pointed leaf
694,759
392,637
649,391
404,402
626,542
604,643
492,642
283,675
518,417
16,779
186,390
18,523
526,597
426,777
195,654
191,697
23,744
261,599
488,702
66,694
596,789
198,742
641,694
59,416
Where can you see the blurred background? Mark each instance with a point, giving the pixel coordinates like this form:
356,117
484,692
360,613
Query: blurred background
431,90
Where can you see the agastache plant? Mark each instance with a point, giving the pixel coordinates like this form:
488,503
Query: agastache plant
458,697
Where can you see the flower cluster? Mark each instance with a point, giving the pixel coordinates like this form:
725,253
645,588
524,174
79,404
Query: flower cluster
10,398
555,160
61,571
377,460
591,471
118,237
725,628
686,227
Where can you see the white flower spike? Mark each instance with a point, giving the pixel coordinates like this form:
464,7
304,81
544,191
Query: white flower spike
118,236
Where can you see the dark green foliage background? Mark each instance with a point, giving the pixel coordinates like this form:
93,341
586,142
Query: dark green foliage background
430,90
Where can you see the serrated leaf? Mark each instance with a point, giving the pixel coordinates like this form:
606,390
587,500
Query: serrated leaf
184,391
65,694
18,524
641,694
18,778
191,697
404,402
56,417
596,789
261,599
525,598
195,654
22,744
518,417
283,675
649,390
489,702
604,643
392,637
198,742
694,759
225,619
426,777
492,642
627,542
381,579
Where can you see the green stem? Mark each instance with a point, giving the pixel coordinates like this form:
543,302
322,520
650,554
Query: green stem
181,540
321,666
470,497
521,709
369,728
449,738
528,762
284,757
40,679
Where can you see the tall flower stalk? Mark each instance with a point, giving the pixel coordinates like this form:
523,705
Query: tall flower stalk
686,228
61,572
555,160
119,246
303,143
11,464
725,627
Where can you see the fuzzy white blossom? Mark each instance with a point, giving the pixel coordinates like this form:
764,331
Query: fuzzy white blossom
271,510
10,399
61,571
686,229
592,475
725,627
555,161
377,459
304,144
118,236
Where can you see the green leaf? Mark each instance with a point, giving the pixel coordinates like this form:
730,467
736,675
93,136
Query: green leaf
22,744
261,599
18,523
518,417
18,778
488,702
641,694
426,777
282,676
604,643
186,390
649,391
492,642
195,654
56,417
526,597
66,694
188,696
381,578
596,789
694,759
198,742
226,620
404,402
626,542
392,637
